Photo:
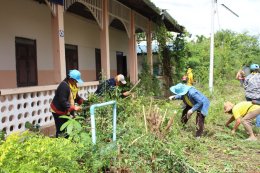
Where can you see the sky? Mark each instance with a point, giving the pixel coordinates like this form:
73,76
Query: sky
196,15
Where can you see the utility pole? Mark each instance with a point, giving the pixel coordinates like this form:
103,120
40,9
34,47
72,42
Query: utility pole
211,67
214,2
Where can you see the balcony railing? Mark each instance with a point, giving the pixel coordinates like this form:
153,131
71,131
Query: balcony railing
31,104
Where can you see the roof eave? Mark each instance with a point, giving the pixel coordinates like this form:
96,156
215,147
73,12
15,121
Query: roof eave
170,23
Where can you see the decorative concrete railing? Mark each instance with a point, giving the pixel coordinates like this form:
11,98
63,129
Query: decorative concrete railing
31,104
121,12
94,6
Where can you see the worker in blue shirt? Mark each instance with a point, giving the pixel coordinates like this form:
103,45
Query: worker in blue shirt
194,101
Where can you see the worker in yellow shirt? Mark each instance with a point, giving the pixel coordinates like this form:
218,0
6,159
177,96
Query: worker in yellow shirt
238,111
190,80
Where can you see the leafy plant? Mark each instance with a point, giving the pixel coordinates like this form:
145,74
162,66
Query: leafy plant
76,130
28,152
149,85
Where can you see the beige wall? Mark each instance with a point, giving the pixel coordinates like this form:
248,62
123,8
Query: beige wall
29,19
118,42
17,20
86,35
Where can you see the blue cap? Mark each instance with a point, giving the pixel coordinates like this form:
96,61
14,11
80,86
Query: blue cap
254,66
75,74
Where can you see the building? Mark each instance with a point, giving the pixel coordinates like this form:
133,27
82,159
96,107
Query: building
40,40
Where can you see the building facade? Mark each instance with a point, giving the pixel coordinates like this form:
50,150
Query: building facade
40,40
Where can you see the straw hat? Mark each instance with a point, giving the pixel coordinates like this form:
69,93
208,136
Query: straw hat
228,106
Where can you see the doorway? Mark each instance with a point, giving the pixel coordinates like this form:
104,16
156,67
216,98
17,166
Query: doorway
98,64
121,63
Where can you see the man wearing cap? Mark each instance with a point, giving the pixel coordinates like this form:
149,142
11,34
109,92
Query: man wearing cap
65,98
194,101
238,111
109,85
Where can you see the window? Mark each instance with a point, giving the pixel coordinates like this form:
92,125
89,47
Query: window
26,62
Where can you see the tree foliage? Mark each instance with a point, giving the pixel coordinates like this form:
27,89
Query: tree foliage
231,51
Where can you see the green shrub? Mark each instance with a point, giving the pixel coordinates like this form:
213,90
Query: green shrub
28,152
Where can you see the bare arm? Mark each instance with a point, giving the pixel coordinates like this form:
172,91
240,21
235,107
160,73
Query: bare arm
230,121
238,121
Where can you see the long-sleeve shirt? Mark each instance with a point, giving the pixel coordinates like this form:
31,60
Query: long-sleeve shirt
252,86
106,86
61,102
197,99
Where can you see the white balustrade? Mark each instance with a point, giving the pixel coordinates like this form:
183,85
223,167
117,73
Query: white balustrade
121,12
31,104
94,6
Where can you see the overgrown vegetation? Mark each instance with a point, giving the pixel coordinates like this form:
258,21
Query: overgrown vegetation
150,136
150,85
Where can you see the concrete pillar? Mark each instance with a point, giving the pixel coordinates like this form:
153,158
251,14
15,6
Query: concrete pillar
104,41
132,50
149,46
58,44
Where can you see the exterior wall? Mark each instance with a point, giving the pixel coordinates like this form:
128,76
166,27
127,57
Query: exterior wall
118,41
17,21
36,24
32,20
86,35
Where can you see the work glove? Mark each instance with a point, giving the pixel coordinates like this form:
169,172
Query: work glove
172,98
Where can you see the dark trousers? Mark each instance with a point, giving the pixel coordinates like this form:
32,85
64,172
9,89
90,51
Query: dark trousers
58,123
199,120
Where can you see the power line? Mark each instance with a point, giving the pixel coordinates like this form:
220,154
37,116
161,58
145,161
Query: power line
229,10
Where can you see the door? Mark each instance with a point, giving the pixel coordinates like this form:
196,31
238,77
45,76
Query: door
26,62
71,55
121,63
98,64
